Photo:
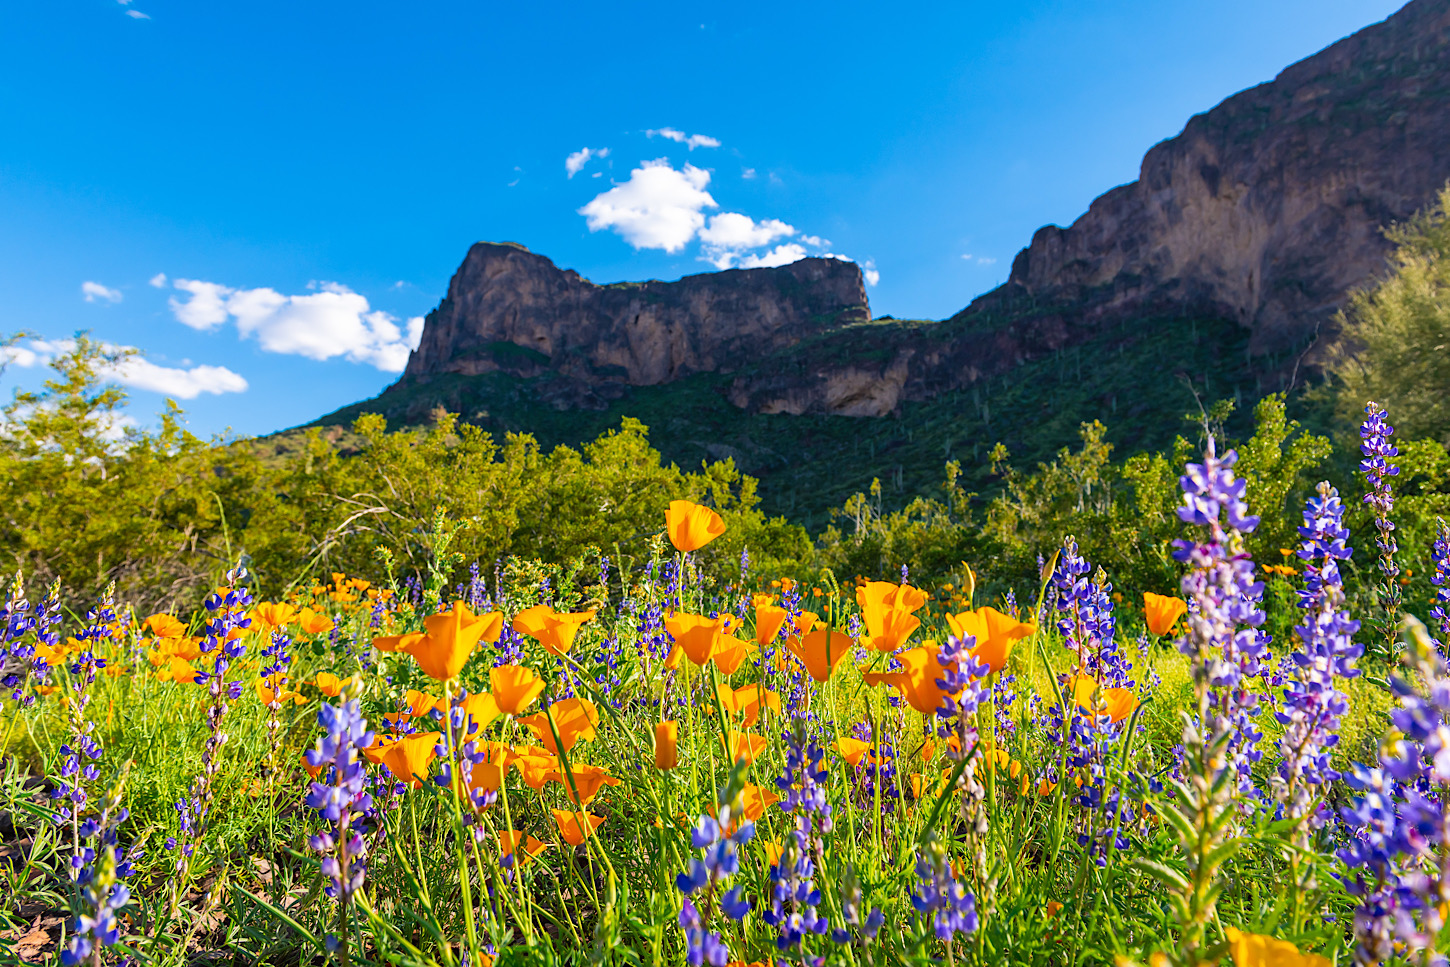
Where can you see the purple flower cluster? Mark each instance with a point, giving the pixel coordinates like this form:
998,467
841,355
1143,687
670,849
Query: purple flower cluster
794,896
103,890
1313,702
20,666
1377,450
1224,610
940,896
340,796
1440,578
1401,847
707,872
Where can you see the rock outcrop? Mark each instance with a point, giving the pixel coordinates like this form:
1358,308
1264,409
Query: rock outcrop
510,310
1269,208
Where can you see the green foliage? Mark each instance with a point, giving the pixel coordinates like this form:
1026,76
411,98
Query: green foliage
1398,331
89,502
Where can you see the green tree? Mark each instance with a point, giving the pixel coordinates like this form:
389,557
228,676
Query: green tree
1396,346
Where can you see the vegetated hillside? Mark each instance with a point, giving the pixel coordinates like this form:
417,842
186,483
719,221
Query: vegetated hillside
1139,379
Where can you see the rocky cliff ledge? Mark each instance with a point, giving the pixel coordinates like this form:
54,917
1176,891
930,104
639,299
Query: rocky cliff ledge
509,310
1268,209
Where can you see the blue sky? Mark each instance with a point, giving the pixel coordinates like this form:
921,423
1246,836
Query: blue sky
266,197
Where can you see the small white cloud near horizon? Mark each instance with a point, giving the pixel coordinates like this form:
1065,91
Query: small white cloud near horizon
748,174
137,372
334,321
658,207
577,160
157,281
868,269
729,234
691,141
95,292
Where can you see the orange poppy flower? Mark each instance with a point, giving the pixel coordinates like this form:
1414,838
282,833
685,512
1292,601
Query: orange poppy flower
730,653
667,745
588,780
747,700
1116,703
1257,950
509,841
313,771
488,775
572,825
772,852
754,801
381,744
176,669
804,622
479,710
821,651
768,620
692,526
553,629
852,750
916,681
995,634
1162,611
514,688
450,638
330,684
747,748
421,703
397,642
269,616
283,694
886,609
575,718
1045,787
165,626
313,623
696,634
408,759
535,765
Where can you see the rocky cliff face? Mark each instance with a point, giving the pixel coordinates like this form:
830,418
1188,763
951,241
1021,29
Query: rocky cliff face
1268,209
509,310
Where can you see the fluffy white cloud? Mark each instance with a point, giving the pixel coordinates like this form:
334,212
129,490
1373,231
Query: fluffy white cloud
748,174
157,281
95,292
577,160
658,207
869,271
137,372
691,141
734,230
138,15
207,307
780,255
181,384
335,321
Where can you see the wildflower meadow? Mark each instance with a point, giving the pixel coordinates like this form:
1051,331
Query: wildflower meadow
660,763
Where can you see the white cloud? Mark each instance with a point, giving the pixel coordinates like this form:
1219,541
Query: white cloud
577,160
95,292
157,281
729,234
734,230
137,372
815,241
984,260
181,384
207,307
869,271
658,207
691,141
332,322
967,256
780,255
748,174
138,15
